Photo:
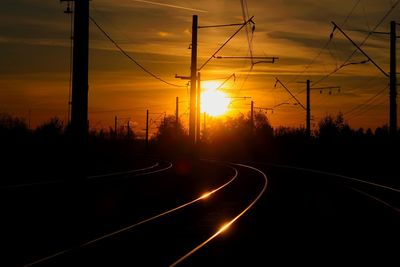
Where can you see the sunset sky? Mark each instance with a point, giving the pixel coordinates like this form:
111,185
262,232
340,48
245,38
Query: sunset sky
35,53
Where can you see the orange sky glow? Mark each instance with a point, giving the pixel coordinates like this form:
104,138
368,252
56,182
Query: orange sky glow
35,52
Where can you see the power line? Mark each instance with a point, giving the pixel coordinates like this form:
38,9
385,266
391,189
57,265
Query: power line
365,103
362,43
226,42
226,80
129,57
293,96
325,45
368,108
245,12
351,12
320,52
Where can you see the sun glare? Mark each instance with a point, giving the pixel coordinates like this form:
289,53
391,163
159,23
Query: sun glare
205,195
213,102
225,226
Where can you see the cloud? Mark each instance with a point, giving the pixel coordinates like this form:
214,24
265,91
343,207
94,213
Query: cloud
34,38
169,5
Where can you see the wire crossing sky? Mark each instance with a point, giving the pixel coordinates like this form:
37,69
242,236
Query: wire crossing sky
170,6
35,42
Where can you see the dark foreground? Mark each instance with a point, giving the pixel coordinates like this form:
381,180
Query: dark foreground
302,218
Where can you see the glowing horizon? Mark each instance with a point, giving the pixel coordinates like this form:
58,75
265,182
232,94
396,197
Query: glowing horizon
35,71
214,102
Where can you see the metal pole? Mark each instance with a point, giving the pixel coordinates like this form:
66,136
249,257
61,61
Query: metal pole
393,80
308,111
79,113
116,126
147,128
177,113
204,125
198,118
359,48
193,74
29,120
252,115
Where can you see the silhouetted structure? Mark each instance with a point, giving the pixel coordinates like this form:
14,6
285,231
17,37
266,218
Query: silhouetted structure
193,77
308,111
79,113
393,79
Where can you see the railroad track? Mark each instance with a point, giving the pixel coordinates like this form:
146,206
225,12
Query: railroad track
386,196
157,166
207,228
196,222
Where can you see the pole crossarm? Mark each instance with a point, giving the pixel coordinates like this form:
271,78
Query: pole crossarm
264,59
325,88
295,98
226,42
261,108
226,80
182,77
222,57
359,48
219,26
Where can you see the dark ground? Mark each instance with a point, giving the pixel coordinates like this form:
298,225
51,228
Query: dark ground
303,218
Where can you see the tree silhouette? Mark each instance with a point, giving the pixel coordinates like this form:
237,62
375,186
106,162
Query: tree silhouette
51,129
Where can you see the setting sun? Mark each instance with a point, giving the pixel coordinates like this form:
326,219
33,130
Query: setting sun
213,102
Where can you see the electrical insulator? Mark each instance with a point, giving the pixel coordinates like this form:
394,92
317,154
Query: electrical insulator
68,10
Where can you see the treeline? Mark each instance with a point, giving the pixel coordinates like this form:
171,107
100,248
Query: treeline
332,145
50,152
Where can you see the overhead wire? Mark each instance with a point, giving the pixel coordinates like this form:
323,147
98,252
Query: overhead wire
245,15
226,80
360,45
371,106
346,62
367,102
130,57
225,43
325,45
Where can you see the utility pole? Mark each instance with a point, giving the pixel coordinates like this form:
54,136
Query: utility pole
308,106
193,74
308,110
393,80
198,118
79,112
252,115
177,113
116,126
29,118
204,125
147,129
128,130
165,120
391,75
